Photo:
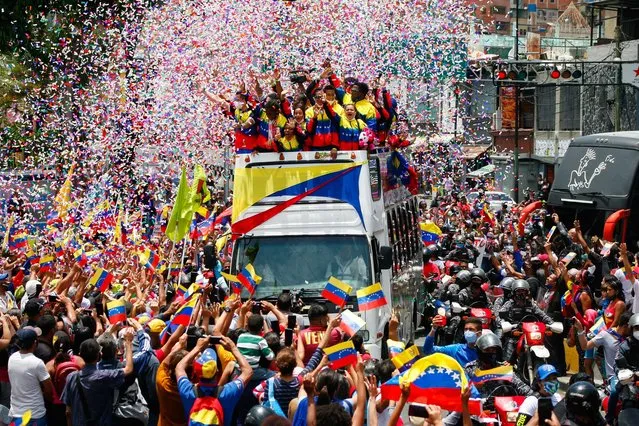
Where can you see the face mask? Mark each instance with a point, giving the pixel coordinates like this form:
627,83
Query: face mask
551,387
591,270
635,334
470,336
520,297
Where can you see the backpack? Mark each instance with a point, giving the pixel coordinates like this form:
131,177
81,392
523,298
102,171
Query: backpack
206,411
131,405
60,375
270,400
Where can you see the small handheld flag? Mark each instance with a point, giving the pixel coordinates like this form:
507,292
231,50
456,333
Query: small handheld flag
336,291
341,355
116,310
351,323
249,279
101,279
504,372
405,359
550,233
430,233
46,263
394,348
183,315
371,297
80,257
568,258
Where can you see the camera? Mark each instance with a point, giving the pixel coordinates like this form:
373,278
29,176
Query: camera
257,308
297,76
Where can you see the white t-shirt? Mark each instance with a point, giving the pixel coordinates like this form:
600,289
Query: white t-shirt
626,284
529,406
25,374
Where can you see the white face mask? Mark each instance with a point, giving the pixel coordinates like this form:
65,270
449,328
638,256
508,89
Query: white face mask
591,270
635,334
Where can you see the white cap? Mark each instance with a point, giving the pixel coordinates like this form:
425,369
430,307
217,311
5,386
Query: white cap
31,287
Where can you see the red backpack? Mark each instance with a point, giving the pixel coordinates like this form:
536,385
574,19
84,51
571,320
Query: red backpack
60,375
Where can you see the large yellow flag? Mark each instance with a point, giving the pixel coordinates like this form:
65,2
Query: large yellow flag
63,198
181,215
200,193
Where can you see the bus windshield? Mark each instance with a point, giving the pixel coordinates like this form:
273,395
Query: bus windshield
305,261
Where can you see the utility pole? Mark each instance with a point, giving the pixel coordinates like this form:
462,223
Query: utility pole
618,86
516,151
227,175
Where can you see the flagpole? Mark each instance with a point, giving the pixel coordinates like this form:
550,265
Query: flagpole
182,262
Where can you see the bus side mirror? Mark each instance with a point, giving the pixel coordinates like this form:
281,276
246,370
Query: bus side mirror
385,257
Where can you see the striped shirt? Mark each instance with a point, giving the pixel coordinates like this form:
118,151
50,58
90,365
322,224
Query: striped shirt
253,347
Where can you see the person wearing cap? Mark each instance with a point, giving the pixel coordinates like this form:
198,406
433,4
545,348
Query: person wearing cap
206,368
31,290
7,300
30,382
88,393
547,385
33,310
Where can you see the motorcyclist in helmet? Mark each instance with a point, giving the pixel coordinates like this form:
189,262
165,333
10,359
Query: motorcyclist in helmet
257,415
489,355
475,294
463,252
582,405
514,310
506,285
430,268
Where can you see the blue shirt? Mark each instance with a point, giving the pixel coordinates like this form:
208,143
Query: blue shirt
98,386
462,353
228,397
302,409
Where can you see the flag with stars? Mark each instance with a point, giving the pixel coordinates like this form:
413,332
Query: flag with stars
503,372
437,379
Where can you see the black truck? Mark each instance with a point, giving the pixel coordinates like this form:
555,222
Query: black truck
597,183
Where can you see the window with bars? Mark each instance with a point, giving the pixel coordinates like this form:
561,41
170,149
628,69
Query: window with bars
546,107
570,108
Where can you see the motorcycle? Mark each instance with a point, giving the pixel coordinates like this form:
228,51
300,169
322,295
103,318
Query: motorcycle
460,314
501,407
531,350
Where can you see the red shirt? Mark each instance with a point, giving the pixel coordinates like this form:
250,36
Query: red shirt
311,338
430,269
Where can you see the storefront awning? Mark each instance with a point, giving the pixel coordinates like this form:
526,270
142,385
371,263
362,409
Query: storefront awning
470,152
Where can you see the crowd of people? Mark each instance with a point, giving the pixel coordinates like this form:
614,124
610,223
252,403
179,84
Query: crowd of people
314,114
68,357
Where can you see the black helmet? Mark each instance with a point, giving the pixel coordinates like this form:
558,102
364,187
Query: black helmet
460,241
429,251
507,283
488,340
521,285
478,274
455,269
257,415
582,399
463,278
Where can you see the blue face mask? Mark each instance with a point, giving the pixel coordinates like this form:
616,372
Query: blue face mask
470,336
551,387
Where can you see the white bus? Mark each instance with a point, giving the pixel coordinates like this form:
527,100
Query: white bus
348,232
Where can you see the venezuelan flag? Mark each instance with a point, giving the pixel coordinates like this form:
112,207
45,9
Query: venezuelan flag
430,232
394,347
46,263
19,240
249,279
206,412
336,291
488,215
116,310
183,315
405,359
436,379
80,257
371,297
32,258
59,250
549,234
181,290
24,421
101,279
149,259
351,323
504,372
341,355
